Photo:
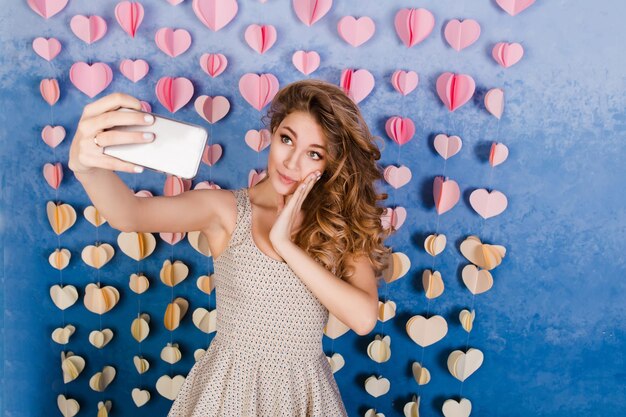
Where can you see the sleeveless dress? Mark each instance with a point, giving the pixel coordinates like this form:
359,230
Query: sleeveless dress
266,358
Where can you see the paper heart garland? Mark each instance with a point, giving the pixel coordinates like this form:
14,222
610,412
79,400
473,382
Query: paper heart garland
494,102
72,365
140,328
140,397
215,14
129,15
310,11
433,284
258,140
306,62
488,204
460,35
213,64
47,48
67,406
93,216
134,70
386,310
197,239
174,93
507,54
356,31
461,364
89,29
453,408
141,364
447,146
397,176
420,374
400,129
198,354
477,281
357,84
260,37
91,79
254,177
101,380
49,89
258,90
404,81
426,332
104,408
173,274
61,335
481,254
168,387
136,245
454,90
435,244
397,268
393,217
100,338
171,353
60,258
412,408
446,194
138,283
467,319
334,327
413,25
498,154
372,413
61,216
379,350
100,300
514,7
53,174
63,296
172,42
336,362
212,154
97,256
47,9
206,284
204,320
174,313
53,135
377,386
212,109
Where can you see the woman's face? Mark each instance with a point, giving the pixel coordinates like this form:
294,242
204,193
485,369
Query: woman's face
298,148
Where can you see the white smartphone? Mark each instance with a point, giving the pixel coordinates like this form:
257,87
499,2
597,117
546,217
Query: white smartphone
176,149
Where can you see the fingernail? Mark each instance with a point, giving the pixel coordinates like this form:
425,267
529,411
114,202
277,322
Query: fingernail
148,118
148,136
138,169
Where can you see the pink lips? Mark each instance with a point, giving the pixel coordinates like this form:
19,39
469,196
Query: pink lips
285,179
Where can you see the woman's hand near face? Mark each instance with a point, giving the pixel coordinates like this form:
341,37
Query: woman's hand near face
97,118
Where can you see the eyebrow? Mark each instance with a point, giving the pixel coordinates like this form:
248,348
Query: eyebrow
295,135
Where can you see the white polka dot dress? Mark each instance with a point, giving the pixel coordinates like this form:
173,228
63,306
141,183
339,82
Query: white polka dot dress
266,358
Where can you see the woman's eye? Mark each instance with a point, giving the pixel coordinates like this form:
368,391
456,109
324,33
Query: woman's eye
283,137
317,155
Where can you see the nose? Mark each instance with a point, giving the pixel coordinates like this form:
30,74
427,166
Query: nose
291,161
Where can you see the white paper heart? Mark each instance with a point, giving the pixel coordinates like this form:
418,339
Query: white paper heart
169,387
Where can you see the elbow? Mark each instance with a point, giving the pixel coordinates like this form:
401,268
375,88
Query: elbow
366,325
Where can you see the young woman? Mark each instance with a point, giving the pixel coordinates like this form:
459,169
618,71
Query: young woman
304,241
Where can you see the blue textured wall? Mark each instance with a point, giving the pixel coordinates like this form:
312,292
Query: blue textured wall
552,327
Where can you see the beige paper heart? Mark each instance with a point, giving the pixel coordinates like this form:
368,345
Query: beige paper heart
169,387
412,408
61,335
198,354
136,245
372,413
204,320
379,350
433,284
399,265
481,254
173,274
199,242
420,374
93,216
67,406
100,300
386,310
140,328
171,353
139,283
63,297
60,258
435,244
336,362
99,338
104,408
206,284
461,365
101,380
140,397
172,316
335,328
426,332
477,281
97,256
467,319
377,386
61,217
453,408
141,364
72,365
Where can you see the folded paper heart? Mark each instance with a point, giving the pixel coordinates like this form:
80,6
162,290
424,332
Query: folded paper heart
467,319
336,362
400,129
404,81
213,64
461,365
60,258
136,245
507,54
212,109
488,203
140,328
93,216
141,364
171,353
72,365
134,70
357,84
420,374
101,380
494,102
47,48
372,413
435,244
447,146
477,281
206,284
377,386
413,25
172,238
47,9
168,387
412,408
53,135
386,310
97,256
61,335
91,79
129,16
426,332
258,140
204,320
60,216
397,268
453,408
306,61
198,354
138,283
393,217
498,154
100,300
397,177
481,254
172,42
356,31
63,296
104,408
455,90
215,14
258,90
174,93
173,274
174,313
335,328
514,7
310,11
140,397
254,177
460,35
260,37
67,406
175,185
379,350
49,90
100,338
198,240
89,29
433,283
446,194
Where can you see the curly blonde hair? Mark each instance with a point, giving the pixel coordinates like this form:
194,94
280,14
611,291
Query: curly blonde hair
341,216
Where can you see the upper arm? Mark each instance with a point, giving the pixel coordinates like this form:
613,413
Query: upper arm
363,276
193,210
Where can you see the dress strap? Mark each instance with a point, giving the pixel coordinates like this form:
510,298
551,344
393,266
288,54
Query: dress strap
243,217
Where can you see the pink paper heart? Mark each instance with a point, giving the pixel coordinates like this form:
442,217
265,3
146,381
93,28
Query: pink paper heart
258,140
48,49
514,7
254,177
172,238
306,62
47,8
143,193
401,130
397,176
356,31
447,146
414,25
215,14
173,42
498,154
212,109
507,54
174,93
357,84
404,81
175,185
91,79
212,154
53,135
460,35
446,194
145,106
89,29
213,64
488,204
258,90
494,102
134,70
129,15
175,2
53,174
260,37
454,90
393,217
207,185
310,11
49,89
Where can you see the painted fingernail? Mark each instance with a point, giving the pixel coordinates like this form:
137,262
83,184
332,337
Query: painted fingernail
138,169
148,118
148,136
